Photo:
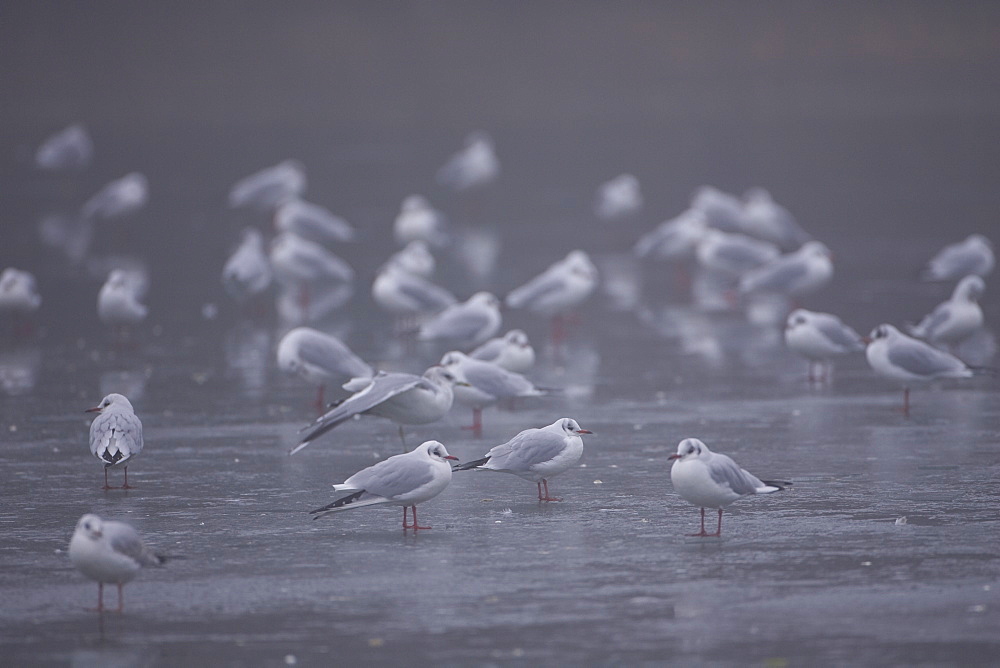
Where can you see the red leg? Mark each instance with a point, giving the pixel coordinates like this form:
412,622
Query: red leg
415,525
546,497
539,491
121,601
718,530
405,509
106,485
477,422
126,485
702,532
319,398
100,598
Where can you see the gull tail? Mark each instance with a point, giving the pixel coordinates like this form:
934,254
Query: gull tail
774,486
348,502
470,465
984,371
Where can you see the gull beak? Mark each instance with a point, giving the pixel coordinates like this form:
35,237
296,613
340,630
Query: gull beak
866,340
462,383
584,431
674,456
452,457
95,409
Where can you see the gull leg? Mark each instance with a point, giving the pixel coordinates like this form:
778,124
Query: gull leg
319,398
718,530
415,526
477,423
539,491
405,509
402,438
547,497
702,532
100,598
106,485
121,601
906,401
126,485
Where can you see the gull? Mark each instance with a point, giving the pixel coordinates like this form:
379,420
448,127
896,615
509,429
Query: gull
674,239
710,480
70,148
109,552
954,320
312,221
404,294
733,254
466,324
18,292
115,434
321,358
974,255
562,287
247,271
266,189
118,302
485,383
819,337
720,209
474,166
767,220
536,454
401,480
419,221
415,258
307,271
512,351
618,198
894,355
806,270
118,198
401,397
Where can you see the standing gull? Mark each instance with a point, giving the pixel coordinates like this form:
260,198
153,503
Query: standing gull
894,355
536,454
118,302
485,383
115,434
247,271
266,189
408,296
709,480
618,198
319,359
466,324
402,480
109,552
556,291
402,397
118,198
70,148
312,221
512,351
419,221
806,270
819,337
954,320
474,166
974,255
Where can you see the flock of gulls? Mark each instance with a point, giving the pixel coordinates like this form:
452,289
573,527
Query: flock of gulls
743,250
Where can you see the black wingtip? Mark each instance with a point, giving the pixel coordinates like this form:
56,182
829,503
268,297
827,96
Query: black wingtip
470,465
342,501
984,370
780,484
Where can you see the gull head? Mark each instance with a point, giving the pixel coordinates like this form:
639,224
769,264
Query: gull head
572,427
443,376
110,400
436,450
690,448
883,331
797,318
90,526
970,288
517,337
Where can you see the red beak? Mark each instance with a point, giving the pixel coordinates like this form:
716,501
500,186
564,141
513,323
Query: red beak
584,431
95,409
674,456
452,457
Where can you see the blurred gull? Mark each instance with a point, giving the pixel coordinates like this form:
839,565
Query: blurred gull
415,258
766,219
247,272
819,337
512,351
559,289
474,166
18,292
69,234
266,189
70,148
536,454
804,271
618,198
115,435
674,239
419,221
466,324
401,397
972,256
485,383
118,198
894,355
313,279
720,209
19,370
733,254
402,480
321,358
407,295
109,552
956,319
710,480
312,222
118,302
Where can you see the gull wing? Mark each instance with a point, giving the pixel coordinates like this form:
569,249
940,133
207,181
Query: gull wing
727,472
